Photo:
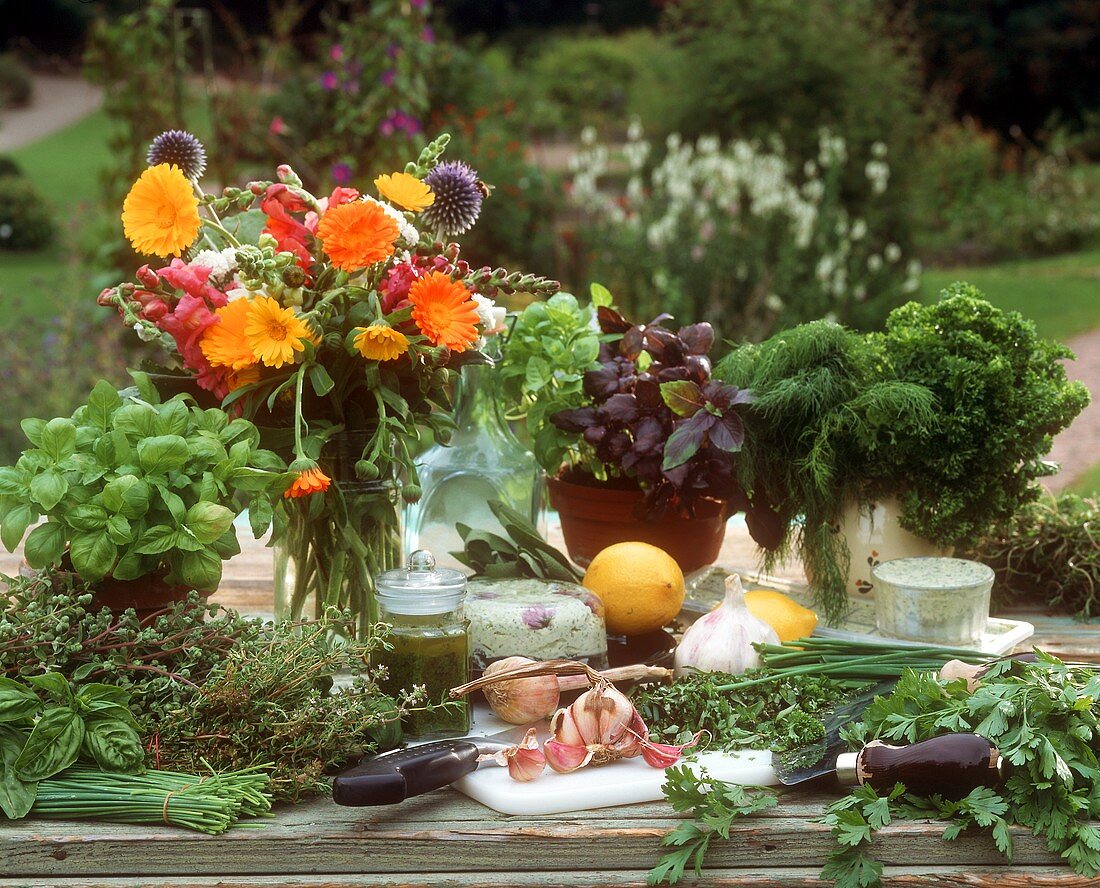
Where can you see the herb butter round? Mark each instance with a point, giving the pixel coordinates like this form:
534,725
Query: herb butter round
938,600
540,619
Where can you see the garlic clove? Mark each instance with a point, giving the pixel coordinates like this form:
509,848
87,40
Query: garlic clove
526,761
563,726
664,755
566,757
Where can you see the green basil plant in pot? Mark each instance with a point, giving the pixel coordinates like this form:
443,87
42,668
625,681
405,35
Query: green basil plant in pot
637,438
138,496
947,414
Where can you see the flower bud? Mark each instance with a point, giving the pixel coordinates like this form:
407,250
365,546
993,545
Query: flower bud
266,240
106,297
411,493
293,276
366,471
148,277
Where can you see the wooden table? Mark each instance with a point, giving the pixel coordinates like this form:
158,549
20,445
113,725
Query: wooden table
444,839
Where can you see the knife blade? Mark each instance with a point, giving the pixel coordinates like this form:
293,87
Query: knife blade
414,770
950,765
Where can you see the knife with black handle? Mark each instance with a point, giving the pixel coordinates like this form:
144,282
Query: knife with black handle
395,776
950,765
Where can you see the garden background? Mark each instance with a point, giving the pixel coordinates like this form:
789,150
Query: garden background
819,157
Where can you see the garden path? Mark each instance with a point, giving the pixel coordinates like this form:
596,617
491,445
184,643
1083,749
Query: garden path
1077,449
55,103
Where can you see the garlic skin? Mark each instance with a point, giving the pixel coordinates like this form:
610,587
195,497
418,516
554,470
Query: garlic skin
524,761
520,701
722,641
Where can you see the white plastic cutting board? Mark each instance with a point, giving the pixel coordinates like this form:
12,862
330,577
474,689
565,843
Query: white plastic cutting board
623,782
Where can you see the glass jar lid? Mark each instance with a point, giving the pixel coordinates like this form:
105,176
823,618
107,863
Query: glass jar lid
421,587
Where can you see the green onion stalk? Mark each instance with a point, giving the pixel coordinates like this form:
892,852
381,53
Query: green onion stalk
845,660
210,804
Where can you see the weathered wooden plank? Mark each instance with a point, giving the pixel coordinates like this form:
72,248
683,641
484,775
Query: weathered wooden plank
36,848
802,877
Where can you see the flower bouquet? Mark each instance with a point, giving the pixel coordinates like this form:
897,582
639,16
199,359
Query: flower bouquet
336,323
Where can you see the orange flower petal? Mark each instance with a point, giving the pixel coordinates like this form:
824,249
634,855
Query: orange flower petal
357,234
307,483
444,311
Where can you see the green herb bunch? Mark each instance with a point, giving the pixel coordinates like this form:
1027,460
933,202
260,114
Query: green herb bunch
823,409
131,487
551,346
778,715
1042,716
1001,395
523,554
1049,552
46,724
272,701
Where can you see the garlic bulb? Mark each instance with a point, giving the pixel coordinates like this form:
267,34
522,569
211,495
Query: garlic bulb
521,700
722,641
600,726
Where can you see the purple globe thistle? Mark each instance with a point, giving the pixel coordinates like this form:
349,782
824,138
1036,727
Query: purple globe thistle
458,198
180,148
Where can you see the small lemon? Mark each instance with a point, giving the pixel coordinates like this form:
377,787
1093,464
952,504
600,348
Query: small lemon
641,587
787,617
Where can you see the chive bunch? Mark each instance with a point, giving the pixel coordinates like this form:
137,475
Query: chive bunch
209,804
844,660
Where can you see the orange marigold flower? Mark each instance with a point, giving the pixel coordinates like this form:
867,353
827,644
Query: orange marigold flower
380,343
444,311
273,332
308,482
161,213
357,234
405,190
225,343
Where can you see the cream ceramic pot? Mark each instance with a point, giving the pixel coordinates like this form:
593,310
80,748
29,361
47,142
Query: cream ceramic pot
874,535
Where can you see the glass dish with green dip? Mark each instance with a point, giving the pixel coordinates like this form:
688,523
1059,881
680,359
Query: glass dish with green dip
937,600
429,643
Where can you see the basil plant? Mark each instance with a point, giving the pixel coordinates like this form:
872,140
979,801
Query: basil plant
131,487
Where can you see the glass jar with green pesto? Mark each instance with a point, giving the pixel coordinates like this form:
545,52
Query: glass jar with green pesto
429,643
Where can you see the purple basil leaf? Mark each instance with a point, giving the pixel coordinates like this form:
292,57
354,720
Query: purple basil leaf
698,368
728,433
648,393
594,435
602,383
683,398
698,339
648,435
620,408
576,419
611,321
663,345
674,374
686,440
632,342
613,447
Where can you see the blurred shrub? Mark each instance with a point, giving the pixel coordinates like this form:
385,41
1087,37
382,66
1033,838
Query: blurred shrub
26,222
15,82
47,369
975,202
515,228
740,234
8,166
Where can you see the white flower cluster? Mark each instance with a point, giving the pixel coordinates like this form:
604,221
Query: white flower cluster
222,264
409,234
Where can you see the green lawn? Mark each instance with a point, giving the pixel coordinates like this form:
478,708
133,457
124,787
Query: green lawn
1089,483
1061,294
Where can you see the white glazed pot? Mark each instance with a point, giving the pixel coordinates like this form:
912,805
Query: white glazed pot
874,535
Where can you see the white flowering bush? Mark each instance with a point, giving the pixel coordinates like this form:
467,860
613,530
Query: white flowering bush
738,234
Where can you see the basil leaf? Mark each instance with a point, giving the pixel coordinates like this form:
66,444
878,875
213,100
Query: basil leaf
49,488
53,683
16,522
102,403
199,570
93,555
45,545
114,745
101,709
32,428
58,439
16,795
126,495
17,701
53,745
260,514
97,692
208,521
162,453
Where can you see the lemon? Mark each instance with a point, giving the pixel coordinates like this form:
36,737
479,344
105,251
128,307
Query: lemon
641,587
787,617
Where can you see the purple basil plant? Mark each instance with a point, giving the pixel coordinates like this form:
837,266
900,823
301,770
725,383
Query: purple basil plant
657,416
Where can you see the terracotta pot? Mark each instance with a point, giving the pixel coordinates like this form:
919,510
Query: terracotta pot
874,534
593,518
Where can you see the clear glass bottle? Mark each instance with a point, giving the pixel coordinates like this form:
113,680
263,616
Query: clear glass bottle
429,643
483,461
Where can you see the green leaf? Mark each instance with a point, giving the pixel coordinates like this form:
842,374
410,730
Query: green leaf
53,745
156,540
49,488
683,397
45,545
321,381
102,403
17,701
208,521
16,522
59,439
16,796
173,419
114,745
260,514
200,570
601,296
119,531
33,428
162,453
131,566
126,495
53,683
134,420
87,517
93,554
12,482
